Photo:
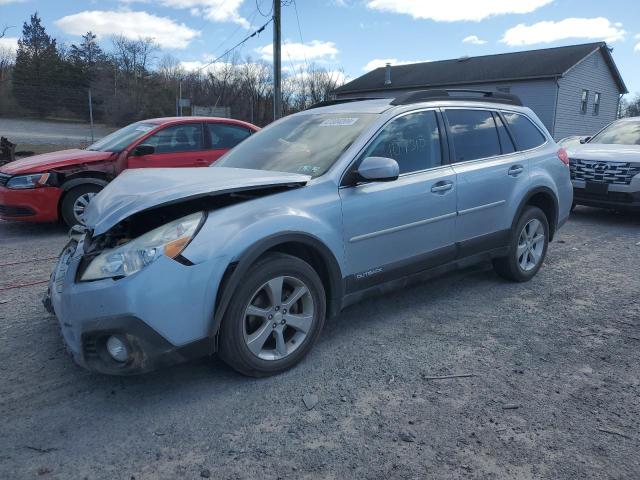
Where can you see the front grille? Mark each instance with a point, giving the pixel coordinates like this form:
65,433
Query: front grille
14,211
90,347
614,173
4,179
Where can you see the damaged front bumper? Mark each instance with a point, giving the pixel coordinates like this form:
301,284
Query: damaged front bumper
163,313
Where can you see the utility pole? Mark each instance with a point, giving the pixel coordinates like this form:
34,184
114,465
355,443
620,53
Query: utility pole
277,72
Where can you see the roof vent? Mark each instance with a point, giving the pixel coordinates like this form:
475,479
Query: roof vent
464,58
387,74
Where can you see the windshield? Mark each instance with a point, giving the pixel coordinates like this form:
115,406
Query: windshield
307,144
120,139
622,133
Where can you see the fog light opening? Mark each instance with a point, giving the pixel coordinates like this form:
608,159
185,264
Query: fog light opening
117,349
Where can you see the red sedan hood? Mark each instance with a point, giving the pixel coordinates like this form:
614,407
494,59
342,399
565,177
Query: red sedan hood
53,160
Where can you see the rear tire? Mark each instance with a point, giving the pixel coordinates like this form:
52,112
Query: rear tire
274,317
527,247
75,202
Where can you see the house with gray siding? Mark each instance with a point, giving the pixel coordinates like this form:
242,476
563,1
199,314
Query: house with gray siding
574,90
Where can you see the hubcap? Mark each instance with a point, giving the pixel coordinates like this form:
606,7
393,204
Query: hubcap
531,245
278,318
80,206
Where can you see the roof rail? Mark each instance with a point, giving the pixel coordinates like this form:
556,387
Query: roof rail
327,103
457,94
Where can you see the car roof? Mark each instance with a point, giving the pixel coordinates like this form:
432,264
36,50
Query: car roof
176,120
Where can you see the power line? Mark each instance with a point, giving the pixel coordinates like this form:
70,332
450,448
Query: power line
244,40
304,53
263,14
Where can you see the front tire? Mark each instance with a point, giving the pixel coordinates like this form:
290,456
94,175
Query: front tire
528,247
274,317
75,202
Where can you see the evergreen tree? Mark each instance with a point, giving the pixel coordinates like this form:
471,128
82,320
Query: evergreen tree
37,69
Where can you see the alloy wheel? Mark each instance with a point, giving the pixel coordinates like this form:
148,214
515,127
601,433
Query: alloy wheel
531,244
278,318
80,206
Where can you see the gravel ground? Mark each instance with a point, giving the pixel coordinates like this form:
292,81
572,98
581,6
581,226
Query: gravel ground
555,391
49,132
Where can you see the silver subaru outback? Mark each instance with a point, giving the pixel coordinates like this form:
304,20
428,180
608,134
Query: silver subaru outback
249,257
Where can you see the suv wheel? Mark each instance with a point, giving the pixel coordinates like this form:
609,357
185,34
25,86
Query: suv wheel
75,202
528,247
274,317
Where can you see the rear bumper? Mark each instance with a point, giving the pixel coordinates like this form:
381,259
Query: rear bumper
30,205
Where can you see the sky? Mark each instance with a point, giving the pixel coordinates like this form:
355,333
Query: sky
347,36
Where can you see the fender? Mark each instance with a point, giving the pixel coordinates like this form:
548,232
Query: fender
234,276
553,223
74,182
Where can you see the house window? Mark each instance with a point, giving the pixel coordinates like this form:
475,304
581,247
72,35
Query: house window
584,101
596,103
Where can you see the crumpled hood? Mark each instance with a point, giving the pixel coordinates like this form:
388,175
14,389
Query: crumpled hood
606,152
50,161
137,190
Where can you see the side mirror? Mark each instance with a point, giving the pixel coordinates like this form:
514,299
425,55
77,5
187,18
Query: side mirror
142,150
584,140
379,169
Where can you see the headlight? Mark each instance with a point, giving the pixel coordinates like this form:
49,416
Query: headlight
168,240
28,181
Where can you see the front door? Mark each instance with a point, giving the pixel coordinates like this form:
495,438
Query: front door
175,146
396,228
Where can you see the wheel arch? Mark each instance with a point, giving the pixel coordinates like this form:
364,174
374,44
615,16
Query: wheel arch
546,200
85,178
302,245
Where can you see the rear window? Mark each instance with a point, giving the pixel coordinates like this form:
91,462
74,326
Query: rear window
525,133
474,134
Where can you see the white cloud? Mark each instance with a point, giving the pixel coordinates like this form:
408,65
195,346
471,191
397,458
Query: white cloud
296,52
133,25
381,62
637,47
550,31
474,40
214,10
9,43
456,10
7,2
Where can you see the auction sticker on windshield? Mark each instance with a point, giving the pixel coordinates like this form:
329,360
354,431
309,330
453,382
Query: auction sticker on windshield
338,122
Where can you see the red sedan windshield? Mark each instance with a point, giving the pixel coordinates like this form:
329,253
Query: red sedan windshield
120,139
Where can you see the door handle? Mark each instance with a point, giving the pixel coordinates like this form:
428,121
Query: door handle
515,170
441,187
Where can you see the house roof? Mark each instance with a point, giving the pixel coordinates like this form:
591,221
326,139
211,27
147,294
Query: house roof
527,65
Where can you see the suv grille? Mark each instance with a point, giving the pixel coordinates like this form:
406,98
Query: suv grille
4,178
618,173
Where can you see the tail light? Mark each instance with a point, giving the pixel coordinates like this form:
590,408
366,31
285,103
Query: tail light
562,155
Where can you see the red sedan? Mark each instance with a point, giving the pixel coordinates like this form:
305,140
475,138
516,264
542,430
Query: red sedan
47,187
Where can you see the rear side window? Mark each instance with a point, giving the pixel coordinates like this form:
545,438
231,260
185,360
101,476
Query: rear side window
525,133
224,136
412,140
473,133
505,140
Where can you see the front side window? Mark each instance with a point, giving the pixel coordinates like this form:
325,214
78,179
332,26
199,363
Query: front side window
225,136
621,133
308,143
412,140
473,133
584,101
525,133
596,103
178,138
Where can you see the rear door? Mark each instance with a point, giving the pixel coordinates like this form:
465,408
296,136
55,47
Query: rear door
400,227
175,146
221,137
490,175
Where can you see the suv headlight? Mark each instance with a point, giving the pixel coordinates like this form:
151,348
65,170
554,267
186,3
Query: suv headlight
34,180
168,240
